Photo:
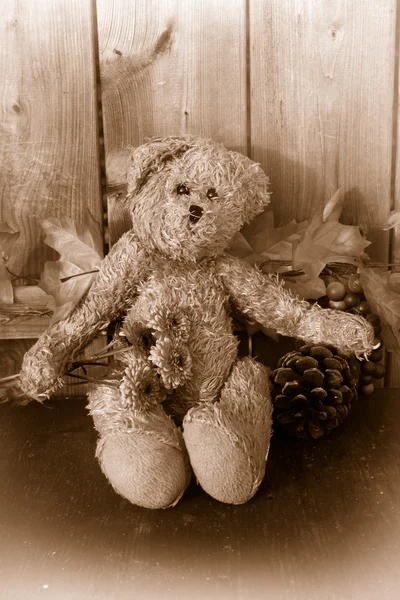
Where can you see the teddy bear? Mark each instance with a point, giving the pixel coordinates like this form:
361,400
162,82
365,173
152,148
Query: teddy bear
179,400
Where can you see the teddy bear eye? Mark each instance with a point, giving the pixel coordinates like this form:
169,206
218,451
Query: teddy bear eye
182,190
212,193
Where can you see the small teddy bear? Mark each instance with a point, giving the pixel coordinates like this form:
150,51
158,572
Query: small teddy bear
180,399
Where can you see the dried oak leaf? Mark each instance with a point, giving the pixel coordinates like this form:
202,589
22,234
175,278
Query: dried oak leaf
393,220
269,242
394,282
305,287
250,242
6,288
260,243
8,237
81,251
308,245
241,248
384,301
325,240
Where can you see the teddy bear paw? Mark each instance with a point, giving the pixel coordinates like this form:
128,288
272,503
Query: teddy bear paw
145,470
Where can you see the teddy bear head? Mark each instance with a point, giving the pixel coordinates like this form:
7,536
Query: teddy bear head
189,196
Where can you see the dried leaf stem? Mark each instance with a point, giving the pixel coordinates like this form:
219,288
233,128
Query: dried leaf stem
16,277
63,279
9,378
84,380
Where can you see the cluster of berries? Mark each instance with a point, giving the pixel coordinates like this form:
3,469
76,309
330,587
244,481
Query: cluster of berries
349,297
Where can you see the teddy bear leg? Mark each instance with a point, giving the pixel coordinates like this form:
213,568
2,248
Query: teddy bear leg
142,453
228,440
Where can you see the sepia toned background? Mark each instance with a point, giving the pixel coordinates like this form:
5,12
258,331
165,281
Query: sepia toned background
309,88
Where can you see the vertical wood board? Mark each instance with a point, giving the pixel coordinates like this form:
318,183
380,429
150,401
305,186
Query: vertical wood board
170,68
49,163
322,87
322,76
393,378
49,150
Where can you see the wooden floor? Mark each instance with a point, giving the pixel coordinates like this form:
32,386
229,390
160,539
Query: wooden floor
325,524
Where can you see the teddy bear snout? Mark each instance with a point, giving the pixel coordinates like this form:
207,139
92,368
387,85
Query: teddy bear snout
195,213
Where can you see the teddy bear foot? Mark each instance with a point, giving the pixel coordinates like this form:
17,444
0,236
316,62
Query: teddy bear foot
141,453
228,441
146,471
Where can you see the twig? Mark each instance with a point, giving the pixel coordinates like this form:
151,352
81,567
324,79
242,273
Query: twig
291,273
88,379
84,363
103,350
63,279
9,378
102,354
95,357
112,353
331,273
91,361
21,276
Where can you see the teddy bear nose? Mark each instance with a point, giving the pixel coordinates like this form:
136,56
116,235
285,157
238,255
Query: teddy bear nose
195,213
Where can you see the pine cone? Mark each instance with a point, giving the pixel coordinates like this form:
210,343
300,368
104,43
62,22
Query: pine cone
313,389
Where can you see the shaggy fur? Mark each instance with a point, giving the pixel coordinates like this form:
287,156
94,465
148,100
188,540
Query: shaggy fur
173,283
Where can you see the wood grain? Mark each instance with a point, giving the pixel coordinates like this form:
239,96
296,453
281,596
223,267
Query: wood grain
321,111
19,325
11,353
325,524
49,161
322,75
393,378
49,150
171,68
28,316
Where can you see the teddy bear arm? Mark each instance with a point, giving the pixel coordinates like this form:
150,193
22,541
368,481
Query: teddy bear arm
262,298
113,290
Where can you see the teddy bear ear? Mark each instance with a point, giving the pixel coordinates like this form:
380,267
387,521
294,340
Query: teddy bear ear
254,184
151,157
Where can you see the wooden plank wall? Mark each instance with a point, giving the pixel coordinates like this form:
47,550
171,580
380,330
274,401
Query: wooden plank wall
322,88
309,89
49,162
322,80
305,88
170,68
